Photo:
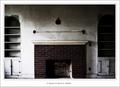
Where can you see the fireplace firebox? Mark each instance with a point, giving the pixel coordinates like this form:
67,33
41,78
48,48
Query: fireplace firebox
58,69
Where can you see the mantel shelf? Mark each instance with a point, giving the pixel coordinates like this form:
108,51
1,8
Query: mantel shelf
38,42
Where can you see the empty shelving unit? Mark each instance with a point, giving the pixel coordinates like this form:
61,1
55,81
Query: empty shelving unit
12,46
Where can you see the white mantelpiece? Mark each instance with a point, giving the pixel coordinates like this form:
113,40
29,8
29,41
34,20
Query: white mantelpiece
55,42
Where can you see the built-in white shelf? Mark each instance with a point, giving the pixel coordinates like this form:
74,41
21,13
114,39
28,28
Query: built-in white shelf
12,27
104,58
106,25
106,41
107,33
12,34
13,42
105,49
12,49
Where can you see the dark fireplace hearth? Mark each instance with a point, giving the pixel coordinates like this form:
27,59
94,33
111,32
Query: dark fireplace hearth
58,68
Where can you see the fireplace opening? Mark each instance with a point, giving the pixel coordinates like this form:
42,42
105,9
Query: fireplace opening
58,69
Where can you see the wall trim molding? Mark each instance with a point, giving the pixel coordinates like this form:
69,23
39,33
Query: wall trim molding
59,42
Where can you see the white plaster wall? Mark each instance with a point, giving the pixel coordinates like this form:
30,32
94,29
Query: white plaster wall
43,18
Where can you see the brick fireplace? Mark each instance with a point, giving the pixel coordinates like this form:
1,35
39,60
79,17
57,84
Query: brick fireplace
60,61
